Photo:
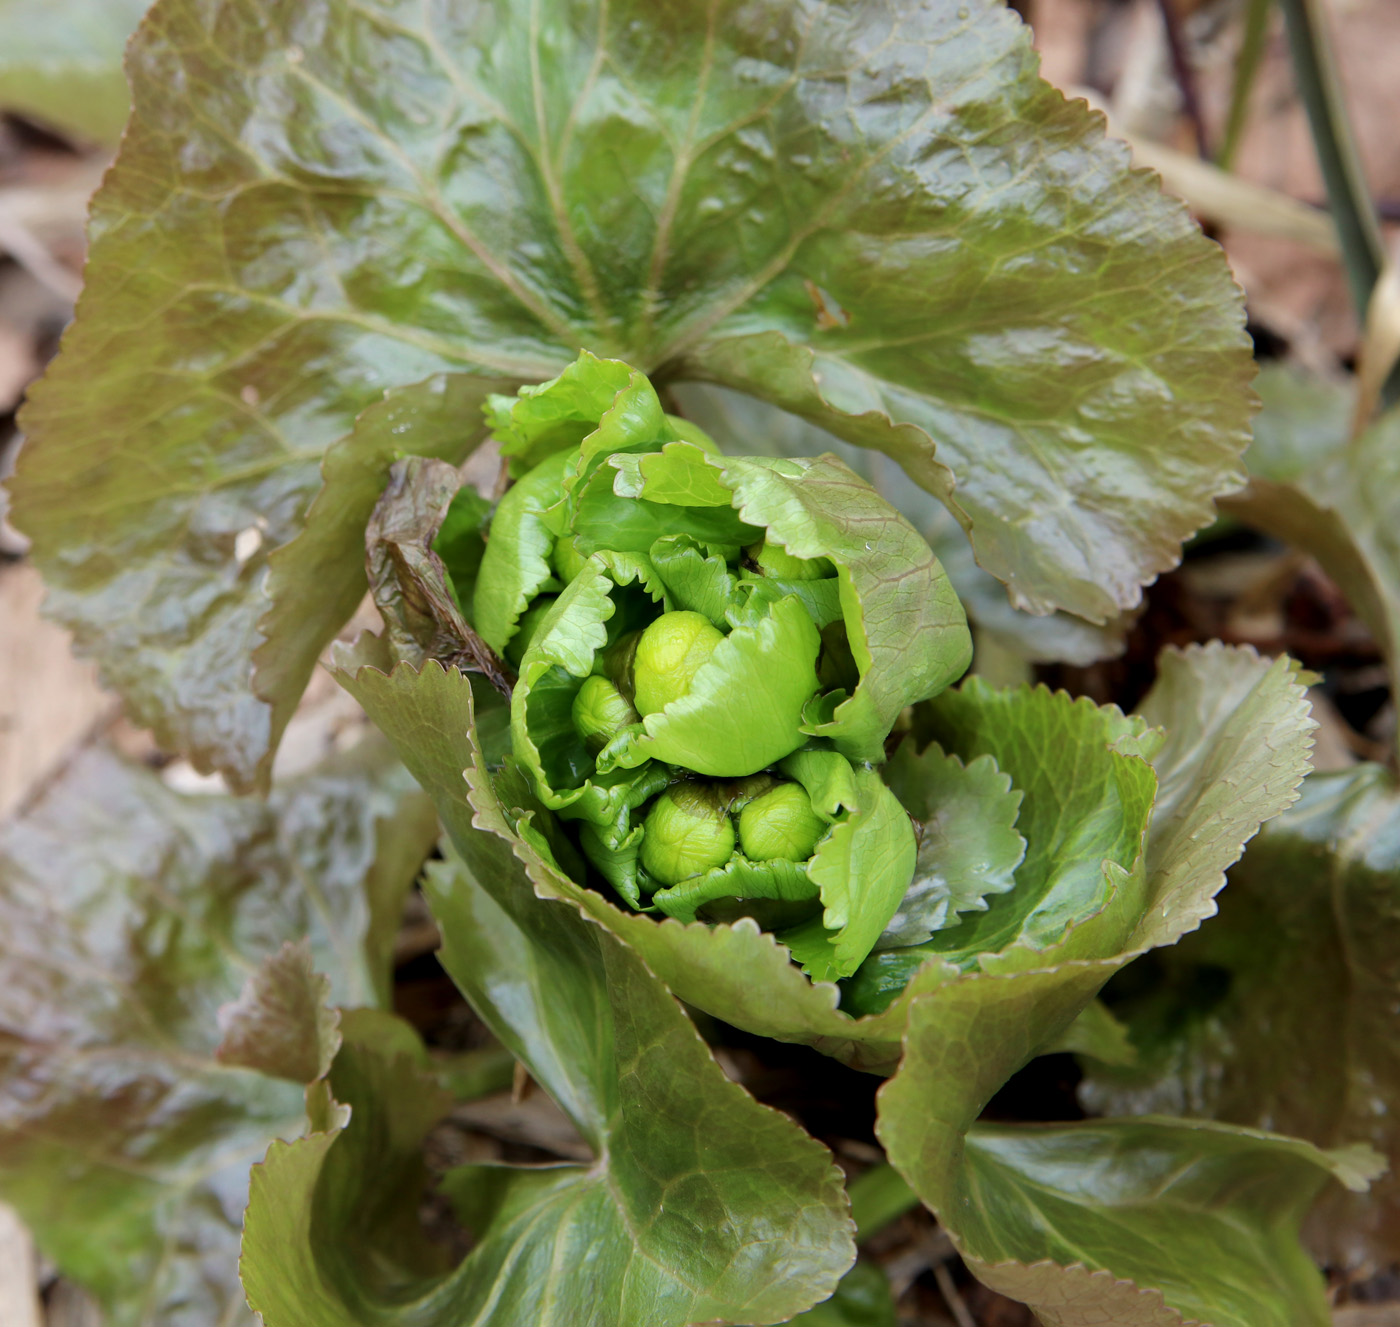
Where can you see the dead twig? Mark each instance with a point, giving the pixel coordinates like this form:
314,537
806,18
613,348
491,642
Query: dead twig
951,1298
19,1288
17,241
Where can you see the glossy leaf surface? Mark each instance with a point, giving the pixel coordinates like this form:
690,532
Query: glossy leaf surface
1150,1220
745,976
1086,797
906,627
1299,969
746,425
881,218
969,847
965,1038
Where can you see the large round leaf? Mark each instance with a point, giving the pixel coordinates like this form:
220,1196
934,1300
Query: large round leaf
874,214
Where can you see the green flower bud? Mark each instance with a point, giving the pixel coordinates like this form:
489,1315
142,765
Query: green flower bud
774,560
669,654
687,832
780,824
600,712
529,624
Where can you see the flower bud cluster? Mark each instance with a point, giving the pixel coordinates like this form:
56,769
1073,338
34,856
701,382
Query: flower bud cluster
700,705
691,827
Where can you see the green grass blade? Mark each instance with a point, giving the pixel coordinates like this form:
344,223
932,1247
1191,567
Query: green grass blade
1256,25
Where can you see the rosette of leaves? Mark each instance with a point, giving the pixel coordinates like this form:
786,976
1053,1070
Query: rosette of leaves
1127,823
712,653
1057,840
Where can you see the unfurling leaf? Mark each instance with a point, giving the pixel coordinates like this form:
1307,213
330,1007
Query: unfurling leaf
969,848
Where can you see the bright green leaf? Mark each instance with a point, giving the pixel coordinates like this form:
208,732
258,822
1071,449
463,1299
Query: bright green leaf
743,711
559,414
608,515
593,610
969,848
863,868
516,566
905,626
967,1036
680,475
696,581
1083,815
749,426
779,882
